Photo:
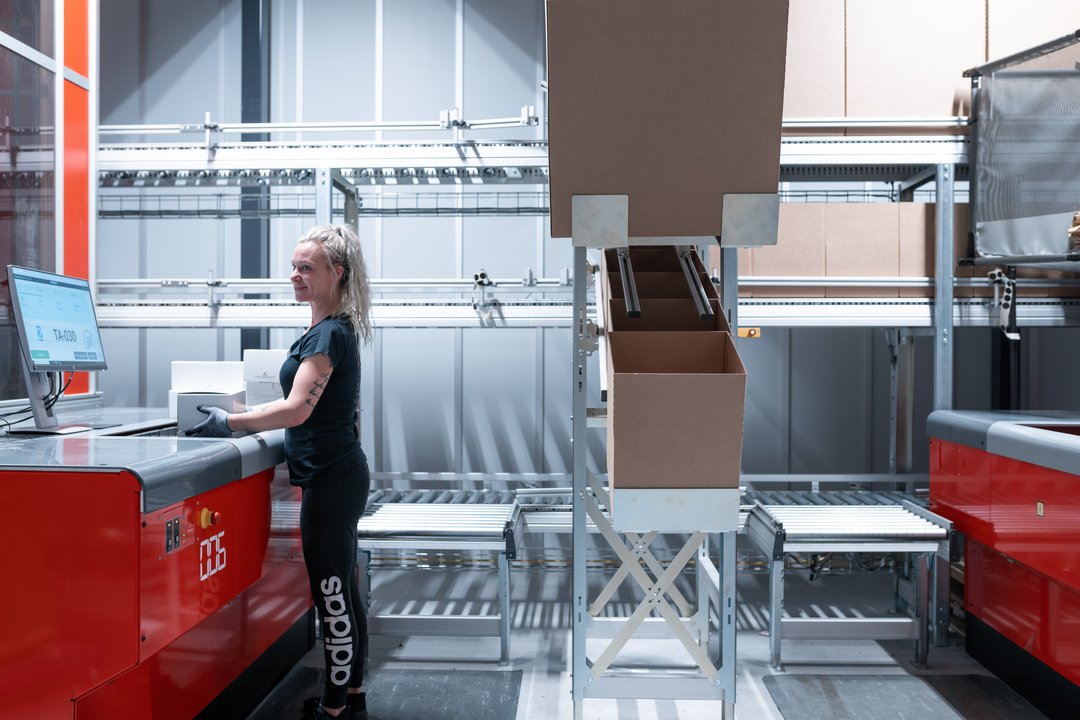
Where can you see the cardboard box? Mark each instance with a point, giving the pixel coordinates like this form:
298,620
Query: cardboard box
187,403
1013,27
674,104
675,410
862,240
259,393
657,274
799,251
918,246
263,365
907,59
210,376
814,76
664,315
652,285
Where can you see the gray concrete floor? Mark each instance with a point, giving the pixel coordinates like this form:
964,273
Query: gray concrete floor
540,645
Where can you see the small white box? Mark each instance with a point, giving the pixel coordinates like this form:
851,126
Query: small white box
263,365
207,376
187,404
262,392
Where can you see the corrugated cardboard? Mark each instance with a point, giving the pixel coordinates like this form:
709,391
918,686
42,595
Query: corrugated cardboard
1013,27
675,410
657,272
862,240
799,251
664,315
671,103
918,246
814,79
656,285
907,59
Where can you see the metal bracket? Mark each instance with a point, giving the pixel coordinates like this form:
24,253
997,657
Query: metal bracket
588,340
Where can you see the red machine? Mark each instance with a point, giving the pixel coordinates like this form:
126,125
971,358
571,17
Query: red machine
143,576
1010,482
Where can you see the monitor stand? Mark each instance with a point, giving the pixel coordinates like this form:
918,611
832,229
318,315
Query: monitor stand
45,422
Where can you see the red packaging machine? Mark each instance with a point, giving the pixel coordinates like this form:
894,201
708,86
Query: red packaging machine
148,577
1010,482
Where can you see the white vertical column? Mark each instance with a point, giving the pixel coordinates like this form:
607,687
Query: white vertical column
58,132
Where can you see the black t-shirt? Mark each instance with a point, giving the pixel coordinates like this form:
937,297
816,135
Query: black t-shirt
329,436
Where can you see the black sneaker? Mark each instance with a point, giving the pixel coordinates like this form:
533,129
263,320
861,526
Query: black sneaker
355,708
314,711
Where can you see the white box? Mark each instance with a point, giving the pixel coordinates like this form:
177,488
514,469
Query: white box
207,376
263,365
262,392
187,403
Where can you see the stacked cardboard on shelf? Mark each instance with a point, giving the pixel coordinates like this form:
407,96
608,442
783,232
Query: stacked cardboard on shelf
676,384
870,240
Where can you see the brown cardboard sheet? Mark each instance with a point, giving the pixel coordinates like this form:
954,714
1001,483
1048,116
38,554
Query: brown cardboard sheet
664,315
675,410
907,59
918,246
862,240
814,79
671,103
799,251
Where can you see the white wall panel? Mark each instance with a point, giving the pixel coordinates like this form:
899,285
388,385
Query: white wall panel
765,426
501,69
499,409
419,59
829,400
418,248
418,401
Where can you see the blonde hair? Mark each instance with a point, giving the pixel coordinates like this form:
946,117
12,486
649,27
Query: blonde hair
341,248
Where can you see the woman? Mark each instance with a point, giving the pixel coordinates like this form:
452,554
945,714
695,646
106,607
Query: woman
321,382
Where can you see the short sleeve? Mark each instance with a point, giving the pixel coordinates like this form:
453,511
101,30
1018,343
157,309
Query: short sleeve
325,339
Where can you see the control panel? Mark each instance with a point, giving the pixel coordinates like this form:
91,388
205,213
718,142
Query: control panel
179,528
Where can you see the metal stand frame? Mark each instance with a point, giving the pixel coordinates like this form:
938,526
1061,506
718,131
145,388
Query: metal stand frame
678,618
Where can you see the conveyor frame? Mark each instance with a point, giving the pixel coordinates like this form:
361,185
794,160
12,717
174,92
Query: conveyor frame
443,526
905,528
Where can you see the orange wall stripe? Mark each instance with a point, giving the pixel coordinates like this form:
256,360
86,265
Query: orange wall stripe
77,194
76,36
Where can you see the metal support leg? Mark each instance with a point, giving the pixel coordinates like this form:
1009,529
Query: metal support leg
776,609
504,608
581,673
943,291
726,674
940,607
701,613
922,609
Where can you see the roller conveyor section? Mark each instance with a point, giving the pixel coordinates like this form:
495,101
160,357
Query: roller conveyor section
437,520
459,526
810,529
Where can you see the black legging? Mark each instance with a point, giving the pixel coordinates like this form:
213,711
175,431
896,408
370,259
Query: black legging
331,507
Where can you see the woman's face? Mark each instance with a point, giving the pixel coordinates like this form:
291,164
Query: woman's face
313,280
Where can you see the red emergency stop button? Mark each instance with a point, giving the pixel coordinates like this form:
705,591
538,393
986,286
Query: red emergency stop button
208,518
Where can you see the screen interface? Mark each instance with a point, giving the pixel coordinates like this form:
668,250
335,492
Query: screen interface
58,320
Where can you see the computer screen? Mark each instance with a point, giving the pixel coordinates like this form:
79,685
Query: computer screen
56,321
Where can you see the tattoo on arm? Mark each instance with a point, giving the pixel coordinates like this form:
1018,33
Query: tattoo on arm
317,388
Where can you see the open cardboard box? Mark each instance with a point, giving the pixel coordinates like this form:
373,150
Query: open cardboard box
675,410
659,315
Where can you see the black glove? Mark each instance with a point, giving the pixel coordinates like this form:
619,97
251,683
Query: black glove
217,425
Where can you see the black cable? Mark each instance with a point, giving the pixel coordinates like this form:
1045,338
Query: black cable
55,398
